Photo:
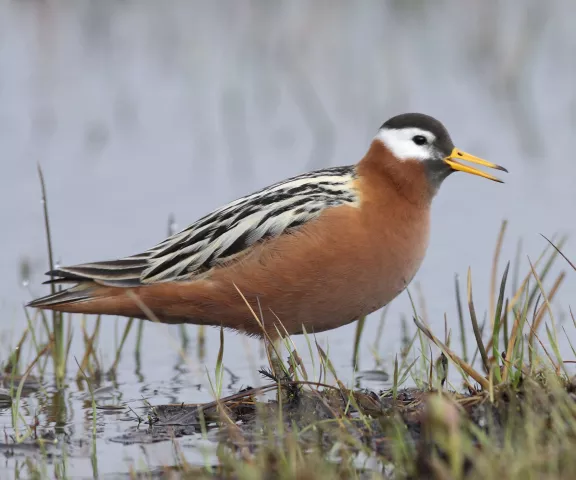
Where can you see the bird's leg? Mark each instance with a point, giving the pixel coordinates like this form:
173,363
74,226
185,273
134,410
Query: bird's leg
273,349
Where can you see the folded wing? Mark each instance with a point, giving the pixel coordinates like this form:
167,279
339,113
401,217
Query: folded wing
220,236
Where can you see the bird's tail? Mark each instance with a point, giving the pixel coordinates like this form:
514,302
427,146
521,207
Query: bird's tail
96,287
79,293
91,298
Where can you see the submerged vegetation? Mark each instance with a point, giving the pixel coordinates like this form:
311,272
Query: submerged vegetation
507,408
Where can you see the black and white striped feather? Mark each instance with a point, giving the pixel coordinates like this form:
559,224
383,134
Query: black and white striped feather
225,233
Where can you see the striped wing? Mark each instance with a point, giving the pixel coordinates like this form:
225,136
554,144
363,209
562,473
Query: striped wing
225,233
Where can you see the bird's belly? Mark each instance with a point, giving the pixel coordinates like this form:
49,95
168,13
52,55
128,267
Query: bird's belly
349,293
325,283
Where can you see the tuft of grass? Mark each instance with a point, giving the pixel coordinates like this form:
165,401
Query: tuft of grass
118,355
57,333
94,446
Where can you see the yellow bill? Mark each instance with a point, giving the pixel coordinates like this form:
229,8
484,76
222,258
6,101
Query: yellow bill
456,155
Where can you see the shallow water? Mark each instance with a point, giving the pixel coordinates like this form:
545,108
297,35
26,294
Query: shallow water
141,110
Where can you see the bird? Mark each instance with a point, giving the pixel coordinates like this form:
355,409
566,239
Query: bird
307,254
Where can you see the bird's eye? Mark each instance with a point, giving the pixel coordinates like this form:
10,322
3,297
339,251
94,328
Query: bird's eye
419,140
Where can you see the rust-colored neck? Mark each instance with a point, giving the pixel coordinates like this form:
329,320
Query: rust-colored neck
407,177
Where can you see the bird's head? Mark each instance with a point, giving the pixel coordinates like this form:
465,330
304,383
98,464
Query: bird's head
415,136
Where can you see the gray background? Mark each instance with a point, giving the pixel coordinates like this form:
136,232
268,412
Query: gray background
139,110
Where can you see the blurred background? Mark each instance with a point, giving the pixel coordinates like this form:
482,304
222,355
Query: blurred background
137,111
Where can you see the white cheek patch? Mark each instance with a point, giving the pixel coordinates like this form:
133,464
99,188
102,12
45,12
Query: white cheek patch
401,145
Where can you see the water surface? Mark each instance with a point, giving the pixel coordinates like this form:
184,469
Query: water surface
140,110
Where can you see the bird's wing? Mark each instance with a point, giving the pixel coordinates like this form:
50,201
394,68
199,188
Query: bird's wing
225,233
